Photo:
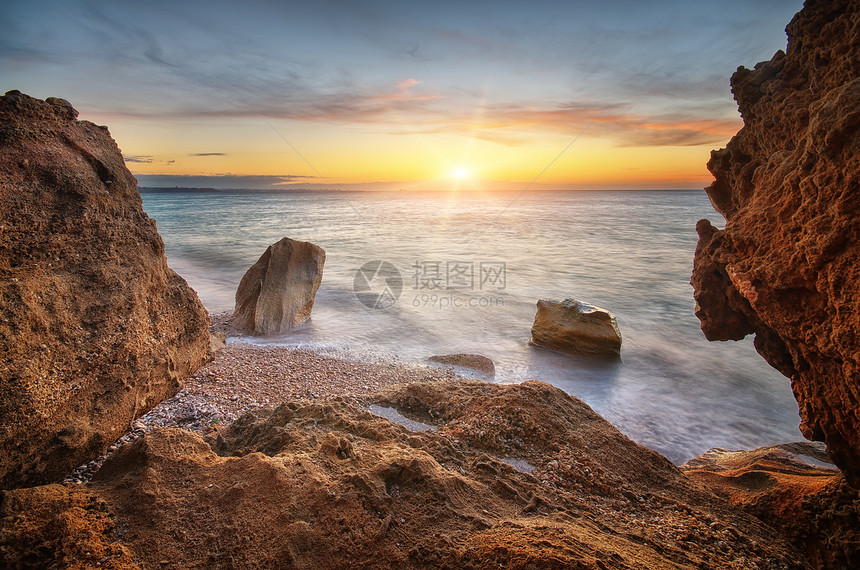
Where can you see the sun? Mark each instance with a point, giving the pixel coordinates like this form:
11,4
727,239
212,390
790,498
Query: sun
460,173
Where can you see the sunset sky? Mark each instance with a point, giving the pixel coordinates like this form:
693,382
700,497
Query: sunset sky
259,94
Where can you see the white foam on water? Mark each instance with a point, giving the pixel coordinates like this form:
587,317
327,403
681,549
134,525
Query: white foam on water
628,252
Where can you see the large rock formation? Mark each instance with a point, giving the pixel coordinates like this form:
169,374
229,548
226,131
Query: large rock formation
793,488
277,292
787,265
95,329
576,328
520,476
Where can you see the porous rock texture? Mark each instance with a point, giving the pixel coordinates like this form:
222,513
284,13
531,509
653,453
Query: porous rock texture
95,329
277,292
793,488
576,328
520,476
787,265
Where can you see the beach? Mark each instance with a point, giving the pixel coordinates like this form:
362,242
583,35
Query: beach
244,377
473,267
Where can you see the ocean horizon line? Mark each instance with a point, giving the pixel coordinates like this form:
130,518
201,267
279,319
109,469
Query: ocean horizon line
207,190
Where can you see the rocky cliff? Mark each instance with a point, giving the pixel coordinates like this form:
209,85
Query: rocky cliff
787,265
520,476
95,329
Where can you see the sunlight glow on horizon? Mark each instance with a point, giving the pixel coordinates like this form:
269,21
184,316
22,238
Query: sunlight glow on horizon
350,158
477,96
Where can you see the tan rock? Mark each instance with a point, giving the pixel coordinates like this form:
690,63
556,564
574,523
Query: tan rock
277,292
475,362
577,328
787,265
217,341
793,488
518,476
95,329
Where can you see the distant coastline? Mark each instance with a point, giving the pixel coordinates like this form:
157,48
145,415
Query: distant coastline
183,190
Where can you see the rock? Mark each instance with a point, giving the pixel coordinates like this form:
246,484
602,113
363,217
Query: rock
787,265
217,341
277,293
329,485
37,538
577,328
793,488
95,329
475,362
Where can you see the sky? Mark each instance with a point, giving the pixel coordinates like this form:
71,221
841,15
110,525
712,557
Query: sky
408,95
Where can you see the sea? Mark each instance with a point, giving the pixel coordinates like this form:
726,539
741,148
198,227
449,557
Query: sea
413,274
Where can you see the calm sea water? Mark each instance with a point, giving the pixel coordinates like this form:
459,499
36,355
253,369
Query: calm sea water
472,267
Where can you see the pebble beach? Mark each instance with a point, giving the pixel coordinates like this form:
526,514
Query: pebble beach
243,377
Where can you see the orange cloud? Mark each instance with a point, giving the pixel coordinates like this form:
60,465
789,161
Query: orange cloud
514,125
403,92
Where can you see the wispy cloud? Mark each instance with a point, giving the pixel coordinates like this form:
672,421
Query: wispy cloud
638,74
140,159
509,124
512,125
403,92
219,181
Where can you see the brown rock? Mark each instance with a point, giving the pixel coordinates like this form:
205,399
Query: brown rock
217,341
576,328
793,488
95,329
54,526
787,265
277,293
514,477
475,362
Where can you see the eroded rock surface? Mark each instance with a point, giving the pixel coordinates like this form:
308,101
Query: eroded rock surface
787,265
95,329
520,476
277,292
793,488
577,328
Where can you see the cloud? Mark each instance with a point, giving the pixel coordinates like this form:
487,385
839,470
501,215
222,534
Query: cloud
220,181
139,159
208,154
516,124
403,92
667,76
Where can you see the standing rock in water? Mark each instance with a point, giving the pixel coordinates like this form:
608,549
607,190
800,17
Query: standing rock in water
576,328
277,293
95,329
787,265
